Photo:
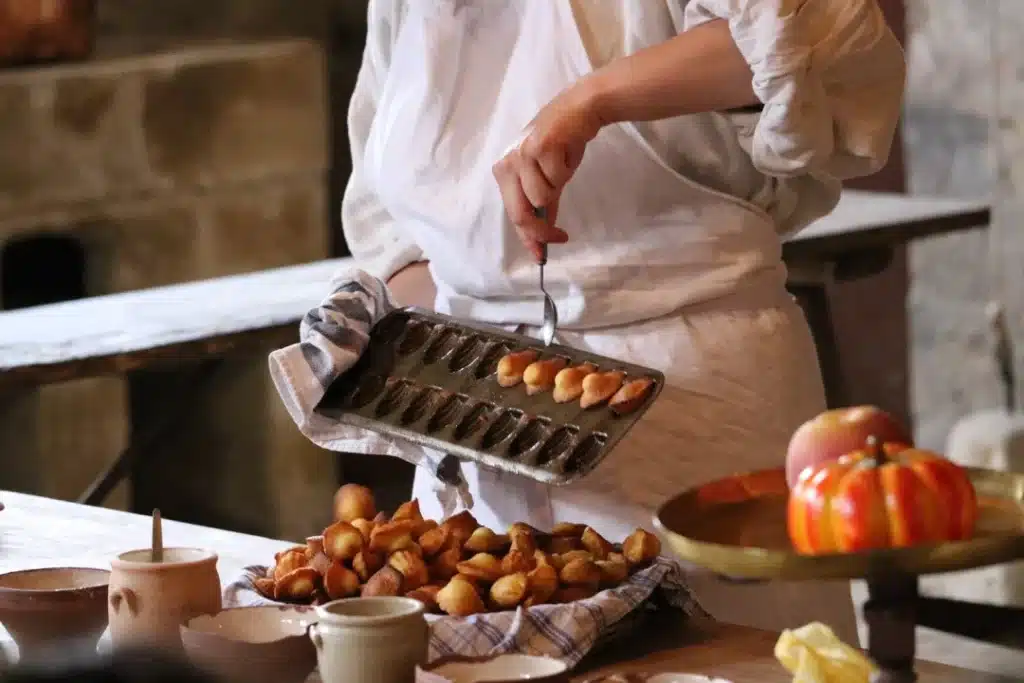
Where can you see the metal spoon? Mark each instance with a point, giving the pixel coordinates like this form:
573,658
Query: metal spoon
547,331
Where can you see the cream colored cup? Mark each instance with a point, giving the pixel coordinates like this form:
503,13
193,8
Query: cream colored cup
370,640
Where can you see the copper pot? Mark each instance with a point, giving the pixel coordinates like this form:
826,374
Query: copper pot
45,30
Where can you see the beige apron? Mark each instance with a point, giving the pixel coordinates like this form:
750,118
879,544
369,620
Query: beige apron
465,78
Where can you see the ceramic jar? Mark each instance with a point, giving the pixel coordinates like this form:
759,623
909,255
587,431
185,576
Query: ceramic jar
370,640
149,601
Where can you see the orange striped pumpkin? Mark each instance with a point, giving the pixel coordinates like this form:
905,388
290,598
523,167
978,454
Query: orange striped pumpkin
882,496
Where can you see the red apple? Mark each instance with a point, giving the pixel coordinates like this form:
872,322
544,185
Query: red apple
835,433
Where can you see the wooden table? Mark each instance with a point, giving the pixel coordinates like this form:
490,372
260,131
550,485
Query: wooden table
197,324
39,532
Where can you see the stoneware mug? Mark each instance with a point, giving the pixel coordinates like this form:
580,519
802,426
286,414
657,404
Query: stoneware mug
370,640
148,601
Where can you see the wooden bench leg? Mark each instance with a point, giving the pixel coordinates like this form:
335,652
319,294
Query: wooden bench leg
814,300
175,410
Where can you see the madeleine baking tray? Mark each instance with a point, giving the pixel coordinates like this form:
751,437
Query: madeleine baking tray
431,379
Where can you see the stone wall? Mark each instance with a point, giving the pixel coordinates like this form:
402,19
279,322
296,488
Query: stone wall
965,108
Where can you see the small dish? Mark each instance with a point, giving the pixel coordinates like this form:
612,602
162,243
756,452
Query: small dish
253,644
508,668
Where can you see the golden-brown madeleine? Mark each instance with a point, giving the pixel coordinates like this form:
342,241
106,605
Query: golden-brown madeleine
342,541
596,544
641,548
353,501
392,537
557,545
522,539
481,567
516,561
408,511
461,526
297,585
427,595
386,582
613,572
483,540
543,584
512,366
340,581
423,527
446,564
434,540
631,395
459,598
508,591
366,563
569,382
264,586
412,567
599,387
539,375
580,572
365,527
568,529
289,561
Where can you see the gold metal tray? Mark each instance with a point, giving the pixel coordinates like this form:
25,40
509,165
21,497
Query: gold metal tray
736,527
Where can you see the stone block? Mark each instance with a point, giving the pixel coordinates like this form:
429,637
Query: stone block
235,116
193,117
266,226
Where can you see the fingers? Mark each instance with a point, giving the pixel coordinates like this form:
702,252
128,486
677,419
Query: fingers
523,187
528,238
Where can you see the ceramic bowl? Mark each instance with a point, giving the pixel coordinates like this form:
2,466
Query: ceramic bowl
253,644
498,669
42,608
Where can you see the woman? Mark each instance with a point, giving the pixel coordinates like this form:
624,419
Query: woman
664,217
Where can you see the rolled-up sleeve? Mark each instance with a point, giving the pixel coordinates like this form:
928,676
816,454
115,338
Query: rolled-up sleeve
830,74
371,233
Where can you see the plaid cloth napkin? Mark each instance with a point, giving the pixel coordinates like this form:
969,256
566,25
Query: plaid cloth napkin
566,632
332,337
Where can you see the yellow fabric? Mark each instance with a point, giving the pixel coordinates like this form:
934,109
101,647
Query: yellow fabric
813,654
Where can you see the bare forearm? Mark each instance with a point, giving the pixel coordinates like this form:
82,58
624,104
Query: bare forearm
413,286
698,71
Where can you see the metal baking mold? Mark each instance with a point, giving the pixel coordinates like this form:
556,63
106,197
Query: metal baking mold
431,379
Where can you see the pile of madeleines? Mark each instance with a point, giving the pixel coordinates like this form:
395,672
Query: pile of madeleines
455,567
857,483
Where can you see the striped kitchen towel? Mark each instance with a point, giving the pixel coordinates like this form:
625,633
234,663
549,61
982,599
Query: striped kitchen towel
566,631
332,337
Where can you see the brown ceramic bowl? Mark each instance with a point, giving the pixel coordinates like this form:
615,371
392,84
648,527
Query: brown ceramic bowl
253,644
45,607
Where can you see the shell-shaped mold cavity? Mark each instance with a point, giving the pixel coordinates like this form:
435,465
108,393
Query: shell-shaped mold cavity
447,413
416,334
477,417
585,452
557,445
467,352
422,403
489,363
441,345
394,396
503,427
